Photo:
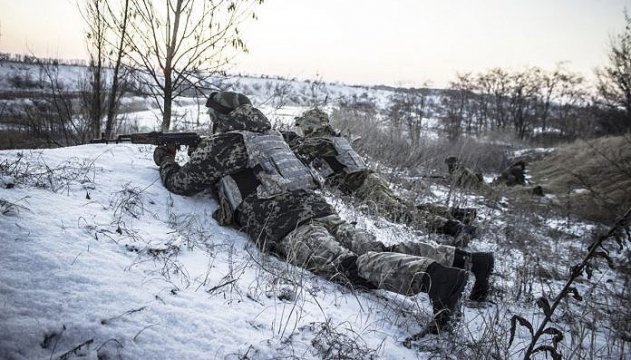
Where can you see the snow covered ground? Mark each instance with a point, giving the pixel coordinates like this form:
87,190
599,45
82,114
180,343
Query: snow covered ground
95,249
99,261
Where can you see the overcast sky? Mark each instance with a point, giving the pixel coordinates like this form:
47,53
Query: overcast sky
396,42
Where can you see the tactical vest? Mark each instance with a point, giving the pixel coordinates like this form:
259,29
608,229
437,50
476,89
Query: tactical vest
276,168
346,156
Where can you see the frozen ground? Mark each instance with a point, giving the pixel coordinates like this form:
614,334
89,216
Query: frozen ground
100,261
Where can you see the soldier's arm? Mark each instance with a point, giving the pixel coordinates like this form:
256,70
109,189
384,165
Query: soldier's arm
214,158
314,148
291,138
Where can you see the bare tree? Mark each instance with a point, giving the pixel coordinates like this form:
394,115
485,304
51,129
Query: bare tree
179,43
409,107
92,12
569,104
524,97
119,24
614,79
494,87
458,105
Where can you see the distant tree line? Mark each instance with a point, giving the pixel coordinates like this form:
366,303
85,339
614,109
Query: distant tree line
532,104
31,59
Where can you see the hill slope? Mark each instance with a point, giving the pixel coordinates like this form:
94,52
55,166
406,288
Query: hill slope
591,177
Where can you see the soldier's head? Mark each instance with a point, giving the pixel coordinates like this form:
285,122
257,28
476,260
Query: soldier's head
312,120
222,103
221,109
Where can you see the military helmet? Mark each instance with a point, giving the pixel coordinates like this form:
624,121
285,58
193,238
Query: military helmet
313,119
226,101
232,111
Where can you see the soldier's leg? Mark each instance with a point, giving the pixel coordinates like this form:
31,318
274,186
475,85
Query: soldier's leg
375,193
409,275
312,247
442,254
356,240
479,263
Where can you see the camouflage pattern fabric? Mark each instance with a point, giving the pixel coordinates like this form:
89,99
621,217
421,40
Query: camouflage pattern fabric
298,225
267,221
442,254
323,244
226,101
366,185
513,175
396,272
312,120
375,192
245,117
215,156
462,176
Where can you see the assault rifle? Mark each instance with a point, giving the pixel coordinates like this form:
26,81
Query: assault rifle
154,138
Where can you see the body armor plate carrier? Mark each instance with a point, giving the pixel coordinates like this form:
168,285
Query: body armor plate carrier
346,156
275,166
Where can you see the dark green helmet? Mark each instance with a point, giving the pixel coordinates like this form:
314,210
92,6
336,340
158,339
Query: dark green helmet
312,120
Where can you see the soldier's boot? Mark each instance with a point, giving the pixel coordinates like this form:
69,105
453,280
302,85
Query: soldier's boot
462,233
444,285
464,215
481,265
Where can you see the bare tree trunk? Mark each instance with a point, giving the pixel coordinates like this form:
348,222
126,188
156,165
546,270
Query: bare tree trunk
97,72
168,102
112,103
168,67
179,43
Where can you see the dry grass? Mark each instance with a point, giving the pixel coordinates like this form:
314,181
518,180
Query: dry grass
592,178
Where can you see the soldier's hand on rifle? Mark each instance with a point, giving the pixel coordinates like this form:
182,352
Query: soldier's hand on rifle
164,152
191,149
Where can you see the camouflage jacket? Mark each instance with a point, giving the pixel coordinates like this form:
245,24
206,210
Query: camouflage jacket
318,147
266,220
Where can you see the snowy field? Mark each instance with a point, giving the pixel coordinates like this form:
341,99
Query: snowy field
99,261
97,256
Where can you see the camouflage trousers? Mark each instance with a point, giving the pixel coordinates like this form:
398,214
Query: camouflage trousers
375,193
467,179
325,245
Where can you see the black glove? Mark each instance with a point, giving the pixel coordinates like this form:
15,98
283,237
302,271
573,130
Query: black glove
164,152
191,149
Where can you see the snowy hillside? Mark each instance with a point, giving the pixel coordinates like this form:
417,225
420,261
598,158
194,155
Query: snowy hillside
97,256
100,261
281,99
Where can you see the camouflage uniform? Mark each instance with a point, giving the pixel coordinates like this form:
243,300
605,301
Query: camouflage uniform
513,175
329,153
463,176
298,224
